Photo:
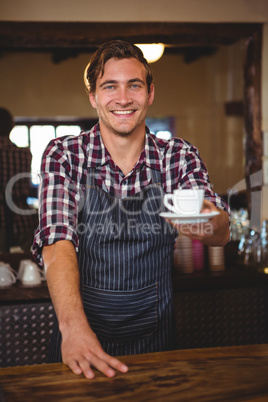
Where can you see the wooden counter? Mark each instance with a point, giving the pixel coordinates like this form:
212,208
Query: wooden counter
216,374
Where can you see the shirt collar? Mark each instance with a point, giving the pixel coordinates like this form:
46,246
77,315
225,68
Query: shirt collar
151,151
150,155
97,153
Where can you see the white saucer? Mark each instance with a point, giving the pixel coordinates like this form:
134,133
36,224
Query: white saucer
180,219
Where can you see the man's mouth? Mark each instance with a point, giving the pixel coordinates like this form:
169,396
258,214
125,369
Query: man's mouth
123,112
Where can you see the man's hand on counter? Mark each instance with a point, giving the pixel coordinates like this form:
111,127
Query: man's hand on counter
81,351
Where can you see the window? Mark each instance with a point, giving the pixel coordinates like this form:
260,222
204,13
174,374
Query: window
37,137
36,134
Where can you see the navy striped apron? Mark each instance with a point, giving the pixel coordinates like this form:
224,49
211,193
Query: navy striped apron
125,259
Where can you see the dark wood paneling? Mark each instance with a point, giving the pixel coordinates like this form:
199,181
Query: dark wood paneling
252,104
43,35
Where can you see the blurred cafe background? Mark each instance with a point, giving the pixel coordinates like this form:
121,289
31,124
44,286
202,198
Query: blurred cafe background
211,89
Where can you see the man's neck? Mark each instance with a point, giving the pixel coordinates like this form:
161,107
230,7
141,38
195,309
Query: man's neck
125,151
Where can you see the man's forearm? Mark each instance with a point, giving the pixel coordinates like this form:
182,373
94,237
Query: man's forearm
80,347
63,282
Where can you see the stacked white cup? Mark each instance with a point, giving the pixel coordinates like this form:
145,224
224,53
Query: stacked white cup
7,275
30,274
184,255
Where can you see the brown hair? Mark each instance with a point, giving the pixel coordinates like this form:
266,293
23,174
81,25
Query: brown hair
119,50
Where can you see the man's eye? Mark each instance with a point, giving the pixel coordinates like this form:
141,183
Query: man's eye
109,87
135,86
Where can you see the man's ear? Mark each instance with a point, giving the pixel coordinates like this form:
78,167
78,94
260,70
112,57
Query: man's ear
151,95
92,100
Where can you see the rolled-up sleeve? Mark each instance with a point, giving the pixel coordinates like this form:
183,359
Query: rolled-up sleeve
193,173
58,200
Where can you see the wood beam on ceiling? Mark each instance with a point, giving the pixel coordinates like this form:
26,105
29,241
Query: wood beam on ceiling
44,35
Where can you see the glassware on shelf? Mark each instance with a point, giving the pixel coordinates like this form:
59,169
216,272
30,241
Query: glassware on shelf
239,222
253,248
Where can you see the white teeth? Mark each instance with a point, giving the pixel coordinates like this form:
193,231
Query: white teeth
122,111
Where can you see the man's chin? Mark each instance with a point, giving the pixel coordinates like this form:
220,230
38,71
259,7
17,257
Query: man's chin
126,131
123,134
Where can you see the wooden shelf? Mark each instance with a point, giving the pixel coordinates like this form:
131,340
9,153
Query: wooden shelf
230,278
18,293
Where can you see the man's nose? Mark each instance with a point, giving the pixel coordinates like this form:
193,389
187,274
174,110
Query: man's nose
123,96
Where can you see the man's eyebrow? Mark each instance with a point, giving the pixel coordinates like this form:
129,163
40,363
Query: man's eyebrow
107,82
136,80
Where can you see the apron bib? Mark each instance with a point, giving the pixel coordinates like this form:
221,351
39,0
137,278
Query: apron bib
125,259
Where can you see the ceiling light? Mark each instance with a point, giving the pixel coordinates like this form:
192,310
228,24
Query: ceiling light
152,51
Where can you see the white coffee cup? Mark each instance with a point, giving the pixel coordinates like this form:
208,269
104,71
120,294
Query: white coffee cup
7,275
30,273
185,202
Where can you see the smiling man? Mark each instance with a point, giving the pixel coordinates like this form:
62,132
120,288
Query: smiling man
112,289
121,100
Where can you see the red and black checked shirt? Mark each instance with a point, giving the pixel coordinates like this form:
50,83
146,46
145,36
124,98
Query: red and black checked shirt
64,177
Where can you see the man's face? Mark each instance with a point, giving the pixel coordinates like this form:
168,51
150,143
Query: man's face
121,98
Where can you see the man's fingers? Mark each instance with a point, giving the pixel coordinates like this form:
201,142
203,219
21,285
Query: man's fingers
86,369
107,364
112,361
88,355
80,367
115,363
73,366
102,366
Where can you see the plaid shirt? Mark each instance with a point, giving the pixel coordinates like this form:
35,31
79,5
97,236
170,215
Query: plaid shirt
14,160
64,172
